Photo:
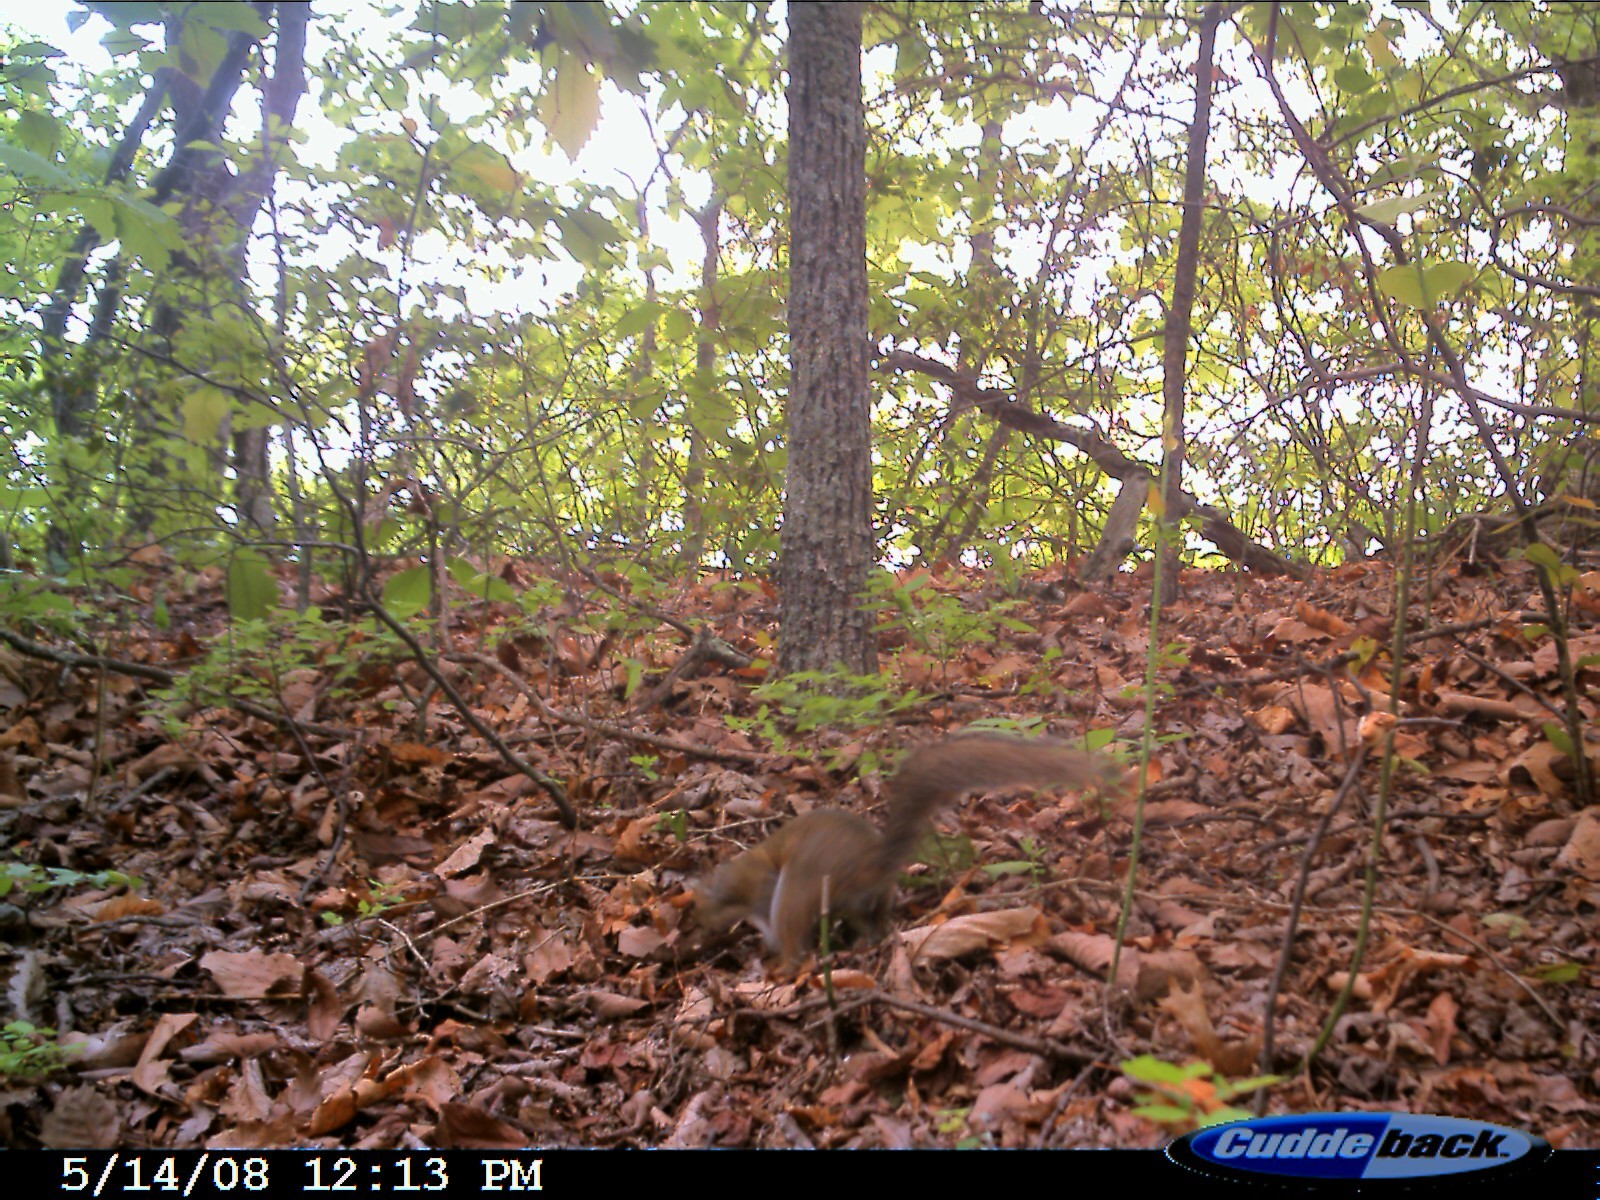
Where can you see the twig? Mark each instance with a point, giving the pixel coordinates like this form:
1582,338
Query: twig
510,757
1045,1047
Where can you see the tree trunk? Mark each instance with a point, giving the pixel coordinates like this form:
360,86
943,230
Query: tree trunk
826,542
1175,342
280,98
709,219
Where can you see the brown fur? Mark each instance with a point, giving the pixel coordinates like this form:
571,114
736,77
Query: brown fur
778,885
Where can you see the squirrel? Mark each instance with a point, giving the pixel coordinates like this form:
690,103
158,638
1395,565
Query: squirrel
778,884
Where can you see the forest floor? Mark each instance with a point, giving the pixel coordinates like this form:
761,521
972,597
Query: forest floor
356,925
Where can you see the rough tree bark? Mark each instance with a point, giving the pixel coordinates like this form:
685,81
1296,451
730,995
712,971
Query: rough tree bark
826,543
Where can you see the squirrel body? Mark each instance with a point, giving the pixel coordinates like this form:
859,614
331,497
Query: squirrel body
778,884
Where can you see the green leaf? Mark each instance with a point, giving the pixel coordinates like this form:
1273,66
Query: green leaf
1222,1116
251,590
1511,925
1445,278
203,411
1557,737
489,167
1543,556
1562,972
384,533
641,316
460,570
1364,647
1382,53
1420,286
37,131
488,587
1403,283
241,18
570,107
1162,1114
1149,1069
1397,170
36,50
1387,210
1353,77
31,168
407,592
1099,739
124,41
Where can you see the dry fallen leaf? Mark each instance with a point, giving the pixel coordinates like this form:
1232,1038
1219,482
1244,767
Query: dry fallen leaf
252,974
81,1119
973,932
1581,854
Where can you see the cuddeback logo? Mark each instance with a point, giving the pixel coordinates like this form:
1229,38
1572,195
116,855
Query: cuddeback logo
1354,1147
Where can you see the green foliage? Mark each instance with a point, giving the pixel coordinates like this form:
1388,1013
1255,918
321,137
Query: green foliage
24,598
675,823
28,1051
1031,864
471,336
252,662
939,622
1555,973
1190,1096
251,591
31,878
1549,561
380,898
811,700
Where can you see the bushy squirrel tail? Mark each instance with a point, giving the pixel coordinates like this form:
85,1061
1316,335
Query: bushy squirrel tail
931,777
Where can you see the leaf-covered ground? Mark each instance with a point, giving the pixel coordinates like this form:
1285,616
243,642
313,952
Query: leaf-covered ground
366,929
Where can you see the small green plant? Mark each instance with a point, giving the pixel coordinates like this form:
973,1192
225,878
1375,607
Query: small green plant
380,898
945,855
31,877
764,724
835,700
250,663
646,765
28,1050
1031,863
1555,973
1189,1097
675,822
939,623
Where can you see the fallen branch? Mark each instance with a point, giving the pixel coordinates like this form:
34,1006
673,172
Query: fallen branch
1005,408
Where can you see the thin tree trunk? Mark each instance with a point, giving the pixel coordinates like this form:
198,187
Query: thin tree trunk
280,98
1175,342
709,219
